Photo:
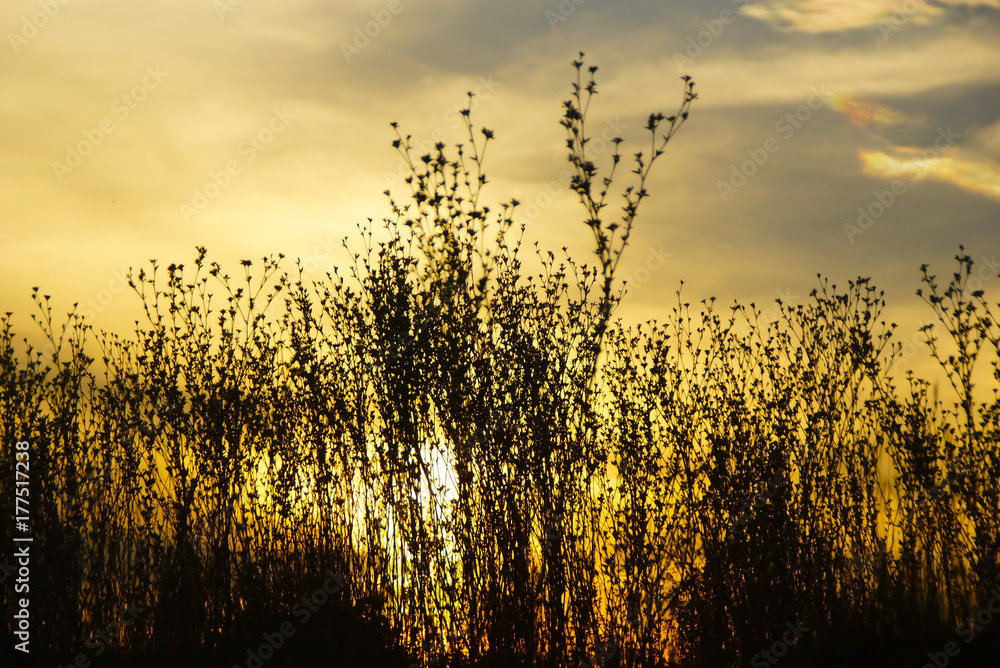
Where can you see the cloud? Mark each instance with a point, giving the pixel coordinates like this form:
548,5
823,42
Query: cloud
974,176
945,162
863,113
989,138
816,16
819,16
328,169
783,73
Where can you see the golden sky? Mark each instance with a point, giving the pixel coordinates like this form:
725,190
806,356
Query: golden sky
134,130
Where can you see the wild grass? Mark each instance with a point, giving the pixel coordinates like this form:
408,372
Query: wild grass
503,474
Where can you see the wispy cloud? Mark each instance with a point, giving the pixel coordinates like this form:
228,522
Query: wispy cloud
974,176
818,16
863,113
944,162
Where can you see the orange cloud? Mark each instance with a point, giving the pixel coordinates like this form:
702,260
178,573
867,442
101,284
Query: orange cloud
978,177
816,16
864,112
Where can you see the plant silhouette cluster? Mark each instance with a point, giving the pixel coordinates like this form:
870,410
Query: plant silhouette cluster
503,475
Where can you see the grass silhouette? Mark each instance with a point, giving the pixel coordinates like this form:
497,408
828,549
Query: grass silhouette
493,472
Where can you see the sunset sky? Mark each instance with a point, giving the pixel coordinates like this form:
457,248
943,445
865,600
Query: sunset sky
138,130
